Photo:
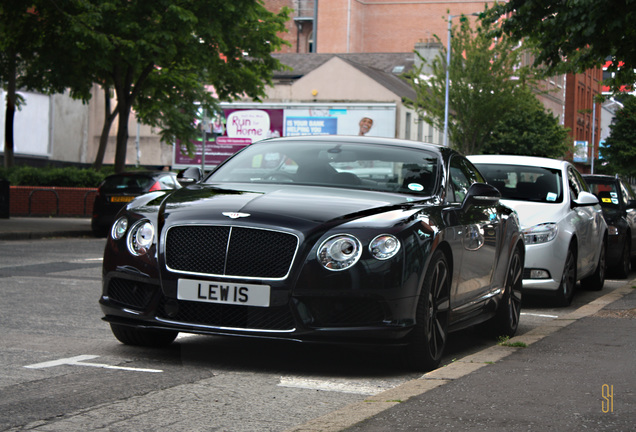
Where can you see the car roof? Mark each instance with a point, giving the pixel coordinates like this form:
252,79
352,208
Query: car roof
518,160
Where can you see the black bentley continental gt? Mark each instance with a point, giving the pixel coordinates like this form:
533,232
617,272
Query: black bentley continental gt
326,239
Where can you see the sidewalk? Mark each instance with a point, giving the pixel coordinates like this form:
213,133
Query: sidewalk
577,373
25,228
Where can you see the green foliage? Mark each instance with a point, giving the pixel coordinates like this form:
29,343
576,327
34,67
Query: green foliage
573,36
53,176
620,151
484,77
528,129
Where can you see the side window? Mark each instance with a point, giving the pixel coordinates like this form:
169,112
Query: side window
575,184
462,175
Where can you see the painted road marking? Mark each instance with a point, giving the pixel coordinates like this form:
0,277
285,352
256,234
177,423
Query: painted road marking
539,315
324,385
79,361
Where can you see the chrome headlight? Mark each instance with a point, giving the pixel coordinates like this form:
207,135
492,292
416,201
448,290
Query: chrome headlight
541,233
119,228
140,237
339,252
384,246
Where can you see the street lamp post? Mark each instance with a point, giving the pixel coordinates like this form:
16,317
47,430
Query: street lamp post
448,59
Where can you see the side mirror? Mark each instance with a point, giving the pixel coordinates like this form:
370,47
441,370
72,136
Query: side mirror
481,194
189,176
585,199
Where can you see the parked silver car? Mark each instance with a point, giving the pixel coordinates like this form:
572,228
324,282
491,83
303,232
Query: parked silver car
565,233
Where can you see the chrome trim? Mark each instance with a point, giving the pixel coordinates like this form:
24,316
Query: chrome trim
164,235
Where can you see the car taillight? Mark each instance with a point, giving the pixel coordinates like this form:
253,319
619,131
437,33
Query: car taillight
155,187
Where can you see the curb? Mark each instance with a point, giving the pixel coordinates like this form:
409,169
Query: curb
350,415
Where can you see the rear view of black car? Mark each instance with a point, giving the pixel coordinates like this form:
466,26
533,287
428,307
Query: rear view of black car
619,210
117,190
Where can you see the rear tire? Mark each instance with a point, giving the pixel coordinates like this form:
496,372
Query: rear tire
431,328
506,320
143,337
625,267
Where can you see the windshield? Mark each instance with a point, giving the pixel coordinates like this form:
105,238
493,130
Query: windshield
524,183
358,166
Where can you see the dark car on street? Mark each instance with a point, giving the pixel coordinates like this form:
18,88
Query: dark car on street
329,239
117,190
618,202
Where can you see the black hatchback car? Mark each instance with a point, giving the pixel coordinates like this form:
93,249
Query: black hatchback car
117,190
333,239
618,202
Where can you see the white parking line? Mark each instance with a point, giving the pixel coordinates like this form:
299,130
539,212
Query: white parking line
324,385
539,315
78,361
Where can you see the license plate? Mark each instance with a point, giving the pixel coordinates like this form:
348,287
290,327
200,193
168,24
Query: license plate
223,292
121,198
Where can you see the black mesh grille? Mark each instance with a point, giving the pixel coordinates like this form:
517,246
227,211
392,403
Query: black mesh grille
230,251
220,315
131,294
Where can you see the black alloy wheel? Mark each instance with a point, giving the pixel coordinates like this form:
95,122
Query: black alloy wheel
506,321
431,329
625,267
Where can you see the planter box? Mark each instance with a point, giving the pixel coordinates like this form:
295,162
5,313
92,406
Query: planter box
51,201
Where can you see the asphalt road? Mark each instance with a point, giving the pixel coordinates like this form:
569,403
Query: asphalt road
61,368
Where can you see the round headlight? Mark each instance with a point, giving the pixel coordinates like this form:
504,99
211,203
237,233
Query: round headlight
339,252
384,246
141,237
119,228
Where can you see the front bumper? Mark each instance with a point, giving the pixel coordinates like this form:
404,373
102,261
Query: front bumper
140,302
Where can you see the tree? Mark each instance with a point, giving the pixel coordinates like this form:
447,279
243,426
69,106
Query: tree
574,36
484,77
31,60
528,129
159,57
619,151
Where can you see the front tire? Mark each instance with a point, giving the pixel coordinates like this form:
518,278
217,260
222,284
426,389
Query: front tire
568,280
625,267
431,328
143,337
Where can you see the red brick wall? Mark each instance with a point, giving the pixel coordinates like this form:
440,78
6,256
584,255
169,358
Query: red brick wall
51,201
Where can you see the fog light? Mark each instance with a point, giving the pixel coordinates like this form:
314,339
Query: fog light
539,274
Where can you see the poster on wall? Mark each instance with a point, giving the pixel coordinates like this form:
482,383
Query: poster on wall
580,151
228,132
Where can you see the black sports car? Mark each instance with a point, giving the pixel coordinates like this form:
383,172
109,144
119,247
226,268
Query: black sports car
322,239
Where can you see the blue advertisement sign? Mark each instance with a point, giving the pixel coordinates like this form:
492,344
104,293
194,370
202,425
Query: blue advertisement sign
297,126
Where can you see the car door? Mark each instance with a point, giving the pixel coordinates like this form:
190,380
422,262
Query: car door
585,223
478,227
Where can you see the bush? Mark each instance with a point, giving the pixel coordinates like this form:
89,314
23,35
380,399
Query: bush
52,176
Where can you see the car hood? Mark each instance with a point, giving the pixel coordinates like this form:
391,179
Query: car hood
277,205
532,213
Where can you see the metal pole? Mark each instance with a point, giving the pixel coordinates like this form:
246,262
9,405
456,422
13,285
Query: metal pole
448,59
593,127
315,47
